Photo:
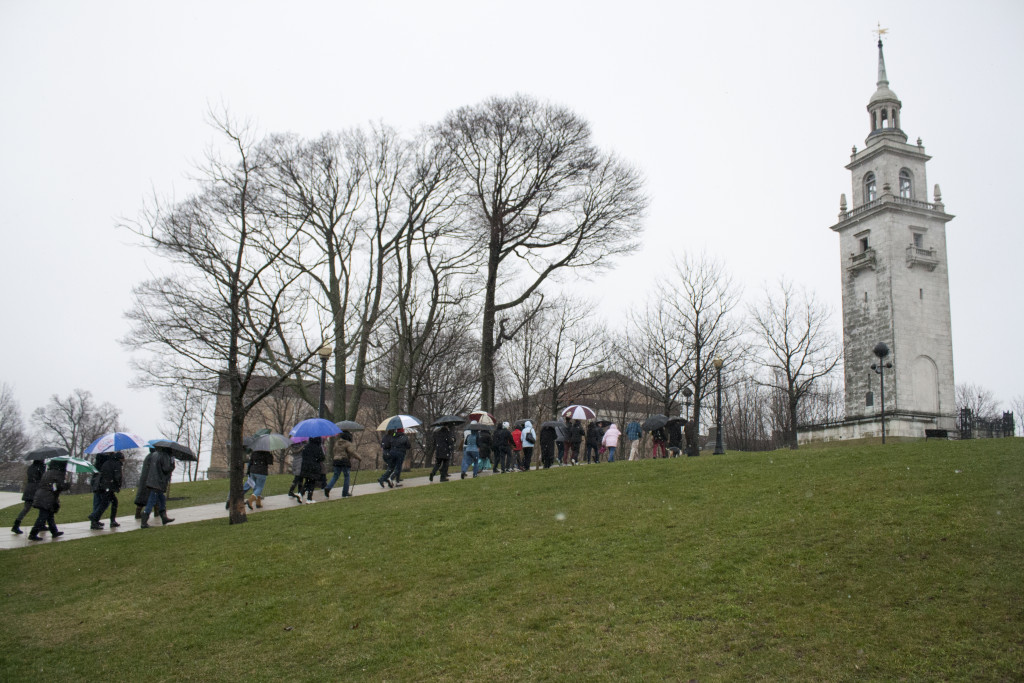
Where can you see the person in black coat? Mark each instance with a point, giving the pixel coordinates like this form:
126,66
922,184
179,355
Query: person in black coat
444,445
33,475
503,444
158,478
142,491
312,466
485,442
594,435
47,499
575,439
105,485
400,445
547,445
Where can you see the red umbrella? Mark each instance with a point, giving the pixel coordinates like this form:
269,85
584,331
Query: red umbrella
483,417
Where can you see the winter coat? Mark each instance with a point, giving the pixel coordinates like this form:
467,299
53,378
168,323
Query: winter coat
111,473
611,437
344,453
161,464
312,459
33,475
502,440
48,493
469,440
562,431
399,446
575,434
517,440
101,459
547,437
484,440
142,491
658,435
675,434
593,435
260,462
529,435
634,431
444,443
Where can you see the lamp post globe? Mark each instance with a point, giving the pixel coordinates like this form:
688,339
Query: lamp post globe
881,350
719,447
324,352
687,393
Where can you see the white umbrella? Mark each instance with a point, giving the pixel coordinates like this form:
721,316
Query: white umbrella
398,422
115,441
577,412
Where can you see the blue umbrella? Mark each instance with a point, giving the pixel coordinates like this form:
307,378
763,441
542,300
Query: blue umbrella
315,426
115,441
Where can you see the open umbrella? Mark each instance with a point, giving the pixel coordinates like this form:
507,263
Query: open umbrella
45,453
270,442
315,426
554,424
350,426
654,422
398,422
577,412
482,416
115,441
477,427
448,420
179,451
76,464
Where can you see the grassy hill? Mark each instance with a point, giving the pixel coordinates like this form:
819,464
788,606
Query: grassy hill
876,563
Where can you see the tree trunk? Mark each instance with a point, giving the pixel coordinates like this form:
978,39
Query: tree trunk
236,454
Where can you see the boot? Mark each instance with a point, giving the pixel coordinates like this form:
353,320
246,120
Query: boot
164,519
259,501
113,523
16,529
248,501
95,526
145,520
138,511
33,536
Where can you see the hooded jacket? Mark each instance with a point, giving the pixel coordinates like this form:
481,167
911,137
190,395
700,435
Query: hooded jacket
33,475
161,464
593,435
611,437
50,486
111,473
529,436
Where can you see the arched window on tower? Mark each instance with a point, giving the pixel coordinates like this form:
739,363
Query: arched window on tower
870,192
906,184
885,119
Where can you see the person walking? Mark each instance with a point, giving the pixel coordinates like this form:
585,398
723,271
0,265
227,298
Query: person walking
485,441
658,436
547,444
444,445
47,499
385,448
575,439
259,470
33,475
400,445
563,432
295,490
312,466
502,449
344,454
106,484
529,439
517,449
593,443
470,452
610,440
633,432
158,478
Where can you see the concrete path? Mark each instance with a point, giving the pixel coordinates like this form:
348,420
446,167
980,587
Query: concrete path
76,530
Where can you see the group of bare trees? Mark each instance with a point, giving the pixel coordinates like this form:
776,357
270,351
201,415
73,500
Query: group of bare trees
413,258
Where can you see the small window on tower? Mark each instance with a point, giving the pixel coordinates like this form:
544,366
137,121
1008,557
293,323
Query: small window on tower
906,184
865,297
869,399
919,240
870,192
863,244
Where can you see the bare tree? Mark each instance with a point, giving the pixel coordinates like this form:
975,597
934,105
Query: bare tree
979,400
188,412
13,439
575,344
543,199
231,291
795,345
74,421
656,351
700,298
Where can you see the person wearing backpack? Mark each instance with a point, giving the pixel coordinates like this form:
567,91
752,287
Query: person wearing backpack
470,451
529,437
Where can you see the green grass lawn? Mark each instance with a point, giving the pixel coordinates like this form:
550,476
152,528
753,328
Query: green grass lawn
902,562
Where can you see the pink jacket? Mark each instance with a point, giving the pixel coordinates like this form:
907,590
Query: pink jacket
611,437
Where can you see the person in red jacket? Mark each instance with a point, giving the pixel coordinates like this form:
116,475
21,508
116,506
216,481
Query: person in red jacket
517,449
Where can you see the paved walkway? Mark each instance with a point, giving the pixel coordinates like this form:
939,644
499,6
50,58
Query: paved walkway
198,513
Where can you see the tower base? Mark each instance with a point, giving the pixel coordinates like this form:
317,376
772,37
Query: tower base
901,425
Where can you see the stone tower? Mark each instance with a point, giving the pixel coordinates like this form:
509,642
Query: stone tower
892,245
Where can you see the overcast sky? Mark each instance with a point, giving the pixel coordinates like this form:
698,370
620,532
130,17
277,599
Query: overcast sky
740,114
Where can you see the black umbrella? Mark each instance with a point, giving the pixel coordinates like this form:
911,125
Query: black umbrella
45,453
350,426
477,427
448,420
552,423
673,421
603,423
177,450
654,422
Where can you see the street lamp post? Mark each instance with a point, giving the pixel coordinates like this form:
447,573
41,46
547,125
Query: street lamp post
687,393
719,448
881,350
324,352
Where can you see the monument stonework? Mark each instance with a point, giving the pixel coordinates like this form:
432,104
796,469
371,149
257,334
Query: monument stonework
895,283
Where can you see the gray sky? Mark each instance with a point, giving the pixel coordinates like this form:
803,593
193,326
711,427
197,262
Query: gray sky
741,115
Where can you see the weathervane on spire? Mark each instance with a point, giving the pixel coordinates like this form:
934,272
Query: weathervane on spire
880,31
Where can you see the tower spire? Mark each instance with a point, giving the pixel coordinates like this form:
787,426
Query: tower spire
884,106
882,79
